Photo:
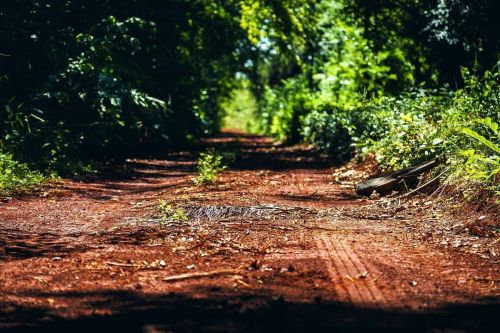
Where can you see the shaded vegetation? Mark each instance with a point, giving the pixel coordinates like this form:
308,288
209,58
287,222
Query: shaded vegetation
16,175
407,81
84,81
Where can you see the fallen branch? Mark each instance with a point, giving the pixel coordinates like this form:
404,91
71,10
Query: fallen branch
430,182
112,263
186,276
319,228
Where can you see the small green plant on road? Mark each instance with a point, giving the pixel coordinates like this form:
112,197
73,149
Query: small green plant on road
208,166
170,214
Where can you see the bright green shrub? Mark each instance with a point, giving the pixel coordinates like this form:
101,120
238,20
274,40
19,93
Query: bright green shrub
461,126
209,164
16,175
458,126
483,163
405,130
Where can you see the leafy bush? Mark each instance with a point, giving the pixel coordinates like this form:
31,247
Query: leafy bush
483,163
461,126
16,175
406,130
208,165
331,129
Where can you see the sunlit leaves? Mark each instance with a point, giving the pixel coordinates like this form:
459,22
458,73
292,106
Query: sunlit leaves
251,16
15,175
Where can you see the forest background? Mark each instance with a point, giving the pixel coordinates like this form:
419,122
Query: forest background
84,81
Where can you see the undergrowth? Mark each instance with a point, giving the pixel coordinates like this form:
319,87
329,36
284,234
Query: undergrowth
15,175
460,127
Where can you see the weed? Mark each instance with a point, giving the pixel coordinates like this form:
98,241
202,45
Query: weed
15,175
170,214
209,165
483,158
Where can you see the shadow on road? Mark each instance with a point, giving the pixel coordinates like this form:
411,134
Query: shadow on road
137,312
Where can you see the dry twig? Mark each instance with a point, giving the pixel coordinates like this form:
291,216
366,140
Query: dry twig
186,276
112,263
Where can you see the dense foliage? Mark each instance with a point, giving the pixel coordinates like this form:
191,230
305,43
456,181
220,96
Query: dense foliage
16,175
94,79
407,80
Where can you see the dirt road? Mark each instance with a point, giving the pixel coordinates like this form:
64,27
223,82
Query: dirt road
276,244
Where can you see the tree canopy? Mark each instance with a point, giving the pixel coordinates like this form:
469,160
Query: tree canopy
103,79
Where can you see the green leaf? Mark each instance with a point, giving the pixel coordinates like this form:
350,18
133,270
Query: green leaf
407,118
437,141
480,138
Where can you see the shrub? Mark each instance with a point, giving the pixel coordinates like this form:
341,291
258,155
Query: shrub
208,166
461,126
16,175
331,129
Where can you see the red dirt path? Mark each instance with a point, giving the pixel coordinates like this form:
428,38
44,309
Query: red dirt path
304,253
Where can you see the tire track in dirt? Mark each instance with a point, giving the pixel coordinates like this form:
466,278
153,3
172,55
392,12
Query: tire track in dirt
347,271
354,279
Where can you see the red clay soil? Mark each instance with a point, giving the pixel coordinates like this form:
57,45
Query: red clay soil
278,243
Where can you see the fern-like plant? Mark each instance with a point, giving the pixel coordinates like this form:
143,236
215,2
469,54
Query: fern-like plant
483,163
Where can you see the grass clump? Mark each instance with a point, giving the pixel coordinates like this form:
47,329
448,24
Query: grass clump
15,175
208,165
